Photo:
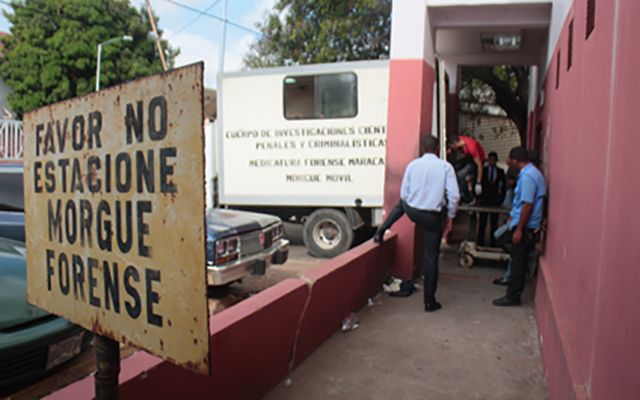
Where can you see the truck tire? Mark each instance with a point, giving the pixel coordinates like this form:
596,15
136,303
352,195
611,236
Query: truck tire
327,233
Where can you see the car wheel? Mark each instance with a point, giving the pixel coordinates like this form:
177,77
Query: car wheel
327,233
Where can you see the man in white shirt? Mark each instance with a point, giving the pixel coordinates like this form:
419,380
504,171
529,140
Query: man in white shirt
429,196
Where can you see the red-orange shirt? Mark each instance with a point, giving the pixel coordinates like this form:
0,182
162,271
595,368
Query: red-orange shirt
472,148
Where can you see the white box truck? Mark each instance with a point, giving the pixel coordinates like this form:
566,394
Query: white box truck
306,143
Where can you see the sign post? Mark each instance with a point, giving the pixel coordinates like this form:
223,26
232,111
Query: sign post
107,368
115,218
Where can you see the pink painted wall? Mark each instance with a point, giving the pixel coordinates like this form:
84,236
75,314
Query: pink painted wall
255,343
338,287
615,370
586,306
409,118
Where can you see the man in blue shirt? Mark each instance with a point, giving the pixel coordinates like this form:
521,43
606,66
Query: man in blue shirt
429,196
525,221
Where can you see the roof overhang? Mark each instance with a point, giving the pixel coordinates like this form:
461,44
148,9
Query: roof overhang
459,27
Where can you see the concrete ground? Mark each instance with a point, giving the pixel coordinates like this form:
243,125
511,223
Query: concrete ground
468,350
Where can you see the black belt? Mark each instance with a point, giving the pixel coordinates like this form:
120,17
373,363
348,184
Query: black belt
434,212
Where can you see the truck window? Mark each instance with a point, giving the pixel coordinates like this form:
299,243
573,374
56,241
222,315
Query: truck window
321,96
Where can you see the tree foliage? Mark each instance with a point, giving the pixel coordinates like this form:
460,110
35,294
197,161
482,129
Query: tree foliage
51,52
319,31
503,85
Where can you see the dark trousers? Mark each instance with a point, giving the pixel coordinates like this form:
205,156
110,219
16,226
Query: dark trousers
432,225
464,169
519,258
482,227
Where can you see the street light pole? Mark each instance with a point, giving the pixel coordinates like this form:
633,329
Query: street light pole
125,38
224,40
98,67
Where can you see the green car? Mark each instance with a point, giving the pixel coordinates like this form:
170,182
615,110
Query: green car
32,341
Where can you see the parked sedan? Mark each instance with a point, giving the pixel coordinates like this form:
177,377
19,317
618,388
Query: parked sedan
32,341
241,243
12,225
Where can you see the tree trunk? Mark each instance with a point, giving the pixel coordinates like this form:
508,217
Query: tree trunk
514,103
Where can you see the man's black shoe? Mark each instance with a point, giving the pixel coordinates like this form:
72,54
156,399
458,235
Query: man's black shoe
500,281
506,302
431,307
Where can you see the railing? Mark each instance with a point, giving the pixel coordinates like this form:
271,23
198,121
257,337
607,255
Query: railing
11,140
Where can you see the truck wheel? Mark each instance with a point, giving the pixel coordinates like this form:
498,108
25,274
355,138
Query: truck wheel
327,233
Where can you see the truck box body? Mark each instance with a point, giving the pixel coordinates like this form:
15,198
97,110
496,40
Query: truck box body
304,136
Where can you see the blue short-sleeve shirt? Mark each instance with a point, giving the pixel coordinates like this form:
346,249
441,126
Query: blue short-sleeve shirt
531,188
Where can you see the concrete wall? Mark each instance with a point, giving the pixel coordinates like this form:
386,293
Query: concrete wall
586,304
255,343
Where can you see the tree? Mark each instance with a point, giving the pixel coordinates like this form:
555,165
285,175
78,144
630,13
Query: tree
509,87
317,31
51,52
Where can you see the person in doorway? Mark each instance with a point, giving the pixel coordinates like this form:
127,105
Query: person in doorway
493,191
525,221
429,196
471,166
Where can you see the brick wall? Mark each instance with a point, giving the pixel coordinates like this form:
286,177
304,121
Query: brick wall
495,133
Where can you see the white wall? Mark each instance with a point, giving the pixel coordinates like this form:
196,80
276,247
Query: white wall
559,11
211,168
411,39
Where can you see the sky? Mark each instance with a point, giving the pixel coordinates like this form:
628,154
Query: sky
201,40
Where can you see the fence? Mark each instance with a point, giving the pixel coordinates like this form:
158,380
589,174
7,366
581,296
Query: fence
11,141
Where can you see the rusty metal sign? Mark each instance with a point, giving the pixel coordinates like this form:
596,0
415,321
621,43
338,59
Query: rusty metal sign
115,219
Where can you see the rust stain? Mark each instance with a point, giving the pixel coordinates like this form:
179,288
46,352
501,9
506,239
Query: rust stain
184,112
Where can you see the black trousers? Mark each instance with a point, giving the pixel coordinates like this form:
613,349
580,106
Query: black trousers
432,225
482,227
519,258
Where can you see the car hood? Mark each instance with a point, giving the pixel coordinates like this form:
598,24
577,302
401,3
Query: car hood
224,222
14,309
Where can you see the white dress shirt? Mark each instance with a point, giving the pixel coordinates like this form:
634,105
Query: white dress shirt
426,182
